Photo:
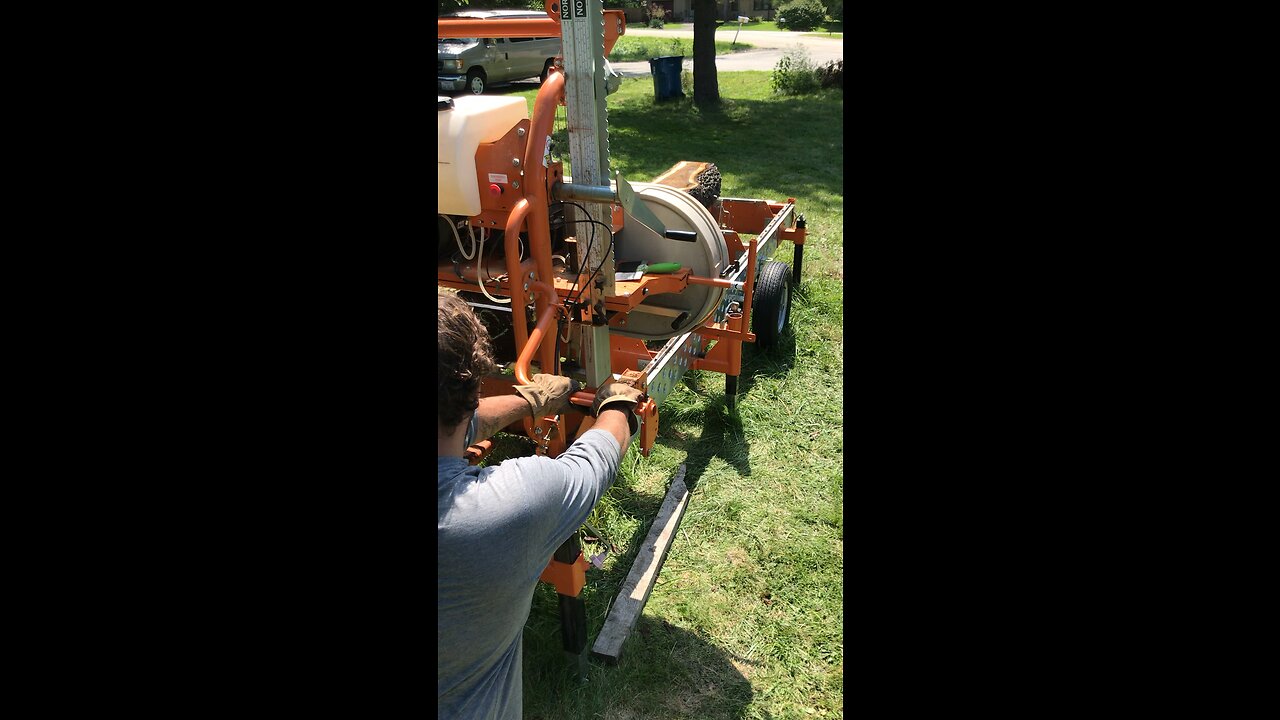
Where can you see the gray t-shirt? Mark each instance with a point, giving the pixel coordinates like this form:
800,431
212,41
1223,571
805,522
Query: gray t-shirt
497,528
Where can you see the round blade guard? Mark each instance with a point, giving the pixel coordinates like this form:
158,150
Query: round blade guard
669,314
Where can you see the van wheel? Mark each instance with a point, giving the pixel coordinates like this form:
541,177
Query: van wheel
475,81
546,70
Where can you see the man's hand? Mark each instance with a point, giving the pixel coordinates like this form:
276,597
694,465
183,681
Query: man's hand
547,394
617,396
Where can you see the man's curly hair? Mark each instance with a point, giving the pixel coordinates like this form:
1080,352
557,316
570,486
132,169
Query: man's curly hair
464,358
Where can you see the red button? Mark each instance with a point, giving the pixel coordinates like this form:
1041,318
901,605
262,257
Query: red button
495,189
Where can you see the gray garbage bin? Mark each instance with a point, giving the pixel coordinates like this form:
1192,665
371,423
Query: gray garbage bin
666,76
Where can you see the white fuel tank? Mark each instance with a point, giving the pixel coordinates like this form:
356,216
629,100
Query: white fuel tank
472,119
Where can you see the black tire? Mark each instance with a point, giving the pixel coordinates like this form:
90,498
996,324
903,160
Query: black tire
546,70
771,304
475,81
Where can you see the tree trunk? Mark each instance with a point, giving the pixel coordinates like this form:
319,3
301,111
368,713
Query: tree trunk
706,86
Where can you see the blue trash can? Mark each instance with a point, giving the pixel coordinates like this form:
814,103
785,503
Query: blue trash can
666,76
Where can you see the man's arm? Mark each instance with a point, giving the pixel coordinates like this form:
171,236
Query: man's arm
614,421
613,410
614,403
495,413
546,395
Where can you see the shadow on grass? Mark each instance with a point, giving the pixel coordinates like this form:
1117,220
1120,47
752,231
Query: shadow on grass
665,671
722,436
774,362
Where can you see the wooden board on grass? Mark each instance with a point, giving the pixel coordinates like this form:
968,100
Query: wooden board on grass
644,573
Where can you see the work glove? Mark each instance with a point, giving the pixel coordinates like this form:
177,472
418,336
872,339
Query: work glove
547,394
618,396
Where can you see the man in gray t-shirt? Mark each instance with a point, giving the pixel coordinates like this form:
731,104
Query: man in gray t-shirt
498,526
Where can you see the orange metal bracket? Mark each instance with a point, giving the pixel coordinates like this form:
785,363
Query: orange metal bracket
498,166
568,578
795,235
745,216
648,412
626,353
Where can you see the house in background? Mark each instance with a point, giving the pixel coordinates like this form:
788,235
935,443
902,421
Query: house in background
682,10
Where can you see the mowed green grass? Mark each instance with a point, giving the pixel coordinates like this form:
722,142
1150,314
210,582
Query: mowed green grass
831,26
747,619
630,48
769,25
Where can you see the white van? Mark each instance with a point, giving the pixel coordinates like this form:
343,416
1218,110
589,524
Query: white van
474,64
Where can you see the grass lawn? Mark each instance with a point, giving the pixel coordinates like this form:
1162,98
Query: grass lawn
747,618
762,25
769,25
642,48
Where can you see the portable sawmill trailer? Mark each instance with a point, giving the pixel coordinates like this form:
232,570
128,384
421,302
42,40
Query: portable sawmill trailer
593,276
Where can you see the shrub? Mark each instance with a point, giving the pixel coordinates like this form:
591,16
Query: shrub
831,75
794,74
801,14
657,15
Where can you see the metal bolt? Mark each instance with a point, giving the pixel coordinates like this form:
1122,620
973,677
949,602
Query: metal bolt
519,132
515,183
530,276
537,431
646,291
526,286
515,161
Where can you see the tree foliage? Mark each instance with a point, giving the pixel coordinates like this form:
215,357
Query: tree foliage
835,9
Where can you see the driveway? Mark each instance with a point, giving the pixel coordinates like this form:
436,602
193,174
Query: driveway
768,48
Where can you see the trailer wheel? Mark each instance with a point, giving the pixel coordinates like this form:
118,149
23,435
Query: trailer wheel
475,81
772,303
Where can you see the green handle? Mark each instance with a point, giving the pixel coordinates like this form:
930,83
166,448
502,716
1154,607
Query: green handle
660,268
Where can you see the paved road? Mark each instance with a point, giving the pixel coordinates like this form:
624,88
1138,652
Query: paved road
768,48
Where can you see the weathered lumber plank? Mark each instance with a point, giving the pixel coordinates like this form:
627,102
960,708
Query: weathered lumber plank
644,573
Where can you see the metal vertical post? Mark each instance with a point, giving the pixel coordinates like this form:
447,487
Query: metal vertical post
582,31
